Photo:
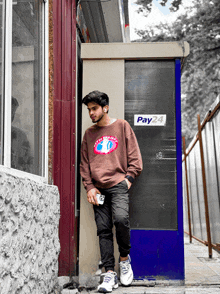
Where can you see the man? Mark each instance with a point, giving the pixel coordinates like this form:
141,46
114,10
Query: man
110,161
20,146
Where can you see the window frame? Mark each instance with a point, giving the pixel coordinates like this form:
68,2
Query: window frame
7,91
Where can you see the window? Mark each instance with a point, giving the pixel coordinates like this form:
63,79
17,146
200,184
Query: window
23,88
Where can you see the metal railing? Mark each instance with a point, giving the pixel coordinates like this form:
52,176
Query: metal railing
201,181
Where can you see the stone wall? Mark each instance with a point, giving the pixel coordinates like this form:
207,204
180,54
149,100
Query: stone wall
29,243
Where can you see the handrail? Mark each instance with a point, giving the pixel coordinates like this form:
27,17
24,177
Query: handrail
208,117
198,138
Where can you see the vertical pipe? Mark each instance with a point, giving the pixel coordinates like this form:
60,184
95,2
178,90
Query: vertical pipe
204,188
64,37
187,191
73,219
7,89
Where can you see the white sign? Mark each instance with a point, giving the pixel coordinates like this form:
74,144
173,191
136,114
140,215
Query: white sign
150,119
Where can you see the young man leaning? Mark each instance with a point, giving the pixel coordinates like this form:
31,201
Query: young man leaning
110,161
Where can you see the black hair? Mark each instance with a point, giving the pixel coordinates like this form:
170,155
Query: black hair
96,96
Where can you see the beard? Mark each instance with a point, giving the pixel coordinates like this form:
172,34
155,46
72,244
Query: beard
96,121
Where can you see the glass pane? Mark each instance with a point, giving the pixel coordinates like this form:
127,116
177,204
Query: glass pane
2,25
27,84
150,91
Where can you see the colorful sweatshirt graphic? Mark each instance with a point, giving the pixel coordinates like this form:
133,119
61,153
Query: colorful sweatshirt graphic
105,145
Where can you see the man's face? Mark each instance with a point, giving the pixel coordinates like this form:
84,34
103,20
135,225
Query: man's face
96,112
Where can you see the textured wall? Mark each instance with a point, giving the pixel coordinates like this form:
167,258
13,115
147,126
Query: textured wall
29,243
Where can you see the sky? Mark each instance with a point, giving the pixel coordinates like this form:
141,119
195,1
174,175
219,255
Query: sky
158,13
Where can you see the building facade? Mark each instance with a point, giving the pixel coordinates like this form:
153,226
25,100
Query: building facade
40,132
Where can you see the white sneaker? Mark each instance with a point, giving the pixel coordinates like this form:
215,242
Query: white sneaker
110,282
126,273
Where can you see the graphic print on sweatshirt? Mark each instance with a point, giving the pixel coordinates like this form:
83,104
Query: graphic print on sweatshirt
105,145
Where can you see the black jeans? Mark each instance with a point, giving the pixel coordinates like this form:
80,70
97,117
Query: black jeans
115,210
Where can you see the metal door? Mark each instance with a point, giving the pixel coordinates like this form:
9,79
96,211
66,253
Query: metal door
152,107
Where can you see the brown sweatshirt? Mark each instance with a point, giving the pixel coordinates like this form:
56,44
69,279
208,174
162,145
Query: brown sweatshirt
108,154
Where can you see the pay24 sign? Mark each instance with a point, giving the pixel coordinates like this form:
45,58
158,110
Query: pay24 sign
150,119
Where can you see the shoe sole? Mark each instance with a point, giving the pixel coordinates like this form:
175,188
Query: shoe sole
128,285
103,290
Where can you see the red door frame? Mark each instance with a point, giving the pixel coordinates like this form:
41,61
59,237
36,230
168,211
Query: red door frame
64,36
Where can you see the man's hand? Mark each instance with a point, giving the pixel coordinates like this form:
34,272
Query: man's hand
91,196
128,183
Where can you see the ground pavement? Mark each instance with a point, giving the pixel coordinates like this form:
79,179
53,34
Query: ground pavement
202,276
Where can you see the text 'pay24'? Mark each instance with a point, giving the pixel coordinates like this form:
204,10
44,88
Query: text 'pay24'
150,119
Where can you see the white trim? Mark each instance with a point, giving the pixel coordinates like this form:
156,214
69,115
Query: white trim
8,84
46,88
2,56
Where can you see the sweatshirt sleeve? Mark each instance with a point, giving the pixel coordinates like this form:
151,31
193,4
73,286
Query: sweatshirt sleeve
84,167
134,159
